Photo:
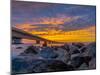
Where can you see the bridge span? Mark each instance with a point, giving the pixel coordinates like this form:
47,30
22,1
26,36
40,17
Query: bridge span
18,34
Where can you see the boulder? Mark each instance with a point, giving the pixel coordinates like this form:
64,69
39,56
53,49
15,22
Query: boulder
57,65
79,45
79,60
48,53
31,50
90,50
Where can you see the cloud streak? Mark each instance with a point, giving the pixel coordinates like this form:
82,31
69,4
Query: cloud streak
60,22
48,22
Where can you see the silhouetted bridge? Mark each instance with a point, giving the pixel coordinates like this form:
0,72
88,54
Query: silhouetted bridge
18,34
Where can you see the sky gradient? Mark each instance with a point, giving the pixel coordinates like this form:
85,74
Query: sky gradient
58,22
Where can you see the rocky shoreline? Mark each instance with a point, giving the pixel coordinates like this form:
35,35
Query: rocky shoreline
69,57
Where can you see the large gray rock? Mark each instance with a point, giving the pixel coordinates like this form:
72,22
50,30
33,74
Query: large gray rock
48,53
79,60
83,67
79,45
92,64
73,49
21,66
31,50
51,59
90,50
63,55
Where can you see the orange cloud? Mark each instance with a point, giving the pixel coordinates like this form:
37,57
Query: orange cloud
82,35
58,20
50,21
28,41
26,27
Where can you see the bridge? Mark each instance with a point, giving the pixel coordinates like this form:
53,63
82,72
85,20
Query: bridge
18,34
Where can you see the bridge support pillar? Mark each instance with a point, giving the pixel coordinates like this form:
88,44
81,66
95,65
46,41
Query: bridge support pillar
37,42
45,44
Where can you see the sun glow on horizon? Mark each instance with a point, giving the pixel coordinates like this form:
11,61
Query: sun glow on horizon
80,35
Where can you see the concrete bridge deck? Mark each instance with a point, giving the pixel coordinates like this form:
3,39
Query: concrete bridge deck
18,33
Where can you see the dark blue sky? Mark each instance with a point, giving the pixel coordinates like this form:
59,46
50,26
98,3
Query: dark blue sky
66,16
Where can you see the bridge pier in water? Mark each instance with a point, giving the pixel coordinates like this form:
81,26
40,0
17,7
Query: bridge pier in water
37,41
42,43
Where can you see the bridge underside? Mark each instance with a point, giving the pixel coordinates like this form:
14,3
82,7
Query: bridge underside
18,35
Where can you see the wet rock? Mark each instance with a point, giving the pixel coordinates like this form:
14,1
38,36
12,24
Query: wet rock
83,49
92,64
75,52
66,47
55,48
59,66
63,55
87,59
79,45
64,58
78,61
48,53
39,66
31,49
19,66
73,48
90,50
83,67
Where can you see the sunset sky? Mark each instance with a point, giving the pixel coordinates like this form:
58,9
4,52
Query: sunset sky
58,22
